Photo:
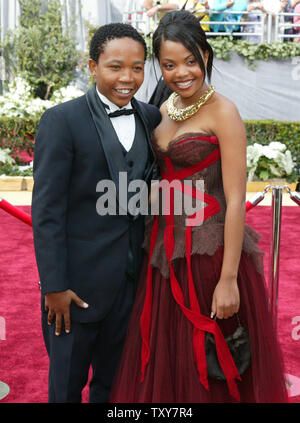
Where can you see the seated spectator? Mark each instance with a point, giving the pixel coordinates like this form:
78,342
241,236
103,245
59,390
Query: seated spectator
256,8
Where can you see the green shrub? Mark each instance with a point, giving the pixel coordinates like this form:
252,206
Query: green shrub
40,50
223,48
20,133
265,131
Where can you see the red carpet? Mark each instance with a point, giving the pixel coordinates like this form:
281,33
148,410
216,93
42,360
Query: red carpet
23,359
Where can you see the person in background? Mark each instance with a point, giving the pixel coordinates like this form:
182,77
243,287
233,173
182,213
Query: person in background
286,7
163,6
198,8
201,11
219,6
160,7
297,18
238,6
256,7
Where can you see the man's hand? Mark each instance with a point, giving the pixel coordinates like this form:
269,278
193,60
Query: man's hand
58,304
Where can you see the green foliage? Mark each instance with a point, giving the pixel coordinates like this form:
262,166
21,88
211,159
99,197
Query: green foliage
265,131
269,169
39,50
263,51
223,48
14,170
18,133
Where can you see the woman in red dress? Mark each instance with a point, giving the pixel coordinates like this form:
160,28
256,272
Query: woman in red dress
193,271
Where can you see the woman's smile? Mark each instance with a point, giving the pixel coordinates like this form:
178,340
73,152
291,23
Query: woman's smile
184,85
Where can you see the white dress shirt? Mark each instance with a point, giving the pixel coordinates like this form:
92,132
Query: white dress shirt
123,125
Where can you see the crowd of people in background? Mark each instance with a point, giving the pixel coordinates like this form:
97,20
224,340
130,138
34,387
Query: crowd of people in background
224,12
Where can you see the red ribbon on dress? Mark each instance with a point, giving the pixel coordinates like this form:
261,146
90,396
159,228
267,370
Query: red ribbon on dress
201,323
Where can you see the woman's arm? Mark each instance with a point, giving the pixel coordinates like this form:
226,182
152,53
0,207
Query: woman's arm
164,7
221,6
231,133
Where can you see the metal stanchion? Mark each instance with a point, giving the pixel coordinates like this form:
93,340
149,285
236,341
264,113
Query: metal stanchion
275,251
295,196
277,194
4,390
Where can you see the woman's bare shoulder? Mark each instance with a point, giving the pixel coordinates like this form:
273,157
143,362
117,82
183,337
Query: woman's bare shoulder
224,106
226,117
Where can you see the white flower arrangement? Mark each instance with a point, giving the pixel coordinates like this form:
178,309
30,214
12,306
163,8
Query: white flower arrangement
269,161
19,101
9,165
5,156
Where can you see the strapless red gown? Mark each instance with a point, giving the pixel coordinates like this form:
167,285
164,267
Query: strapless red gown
164,354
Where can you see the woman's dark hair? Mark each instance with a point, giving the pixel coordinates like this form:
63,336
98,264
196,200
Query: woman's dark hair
183,27
110,32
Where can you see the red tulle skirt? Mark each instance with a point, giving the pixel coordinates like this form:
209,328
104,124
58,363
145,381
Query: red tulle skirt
171,374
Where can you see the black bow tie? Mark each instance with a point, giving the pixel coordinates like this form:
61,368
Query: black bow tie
121,112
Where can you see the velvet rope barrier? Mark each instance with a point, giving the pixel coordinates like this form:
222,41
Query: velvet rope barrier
295,196
250,204
26,218
14,211
256,199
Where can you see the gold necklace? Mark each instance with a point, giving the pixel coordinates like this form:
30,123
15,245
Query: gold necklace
183,114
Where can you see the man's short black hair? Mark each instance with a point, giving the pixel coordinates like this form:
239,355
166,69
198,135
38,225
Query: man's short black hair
110,32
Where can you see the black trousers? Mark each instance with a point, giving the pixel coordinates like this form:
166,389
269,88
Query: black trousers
97,344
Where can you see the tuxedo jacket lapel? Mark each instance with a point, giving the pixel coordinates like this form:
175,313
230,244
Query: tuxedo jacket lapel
141,114
107,137
151,162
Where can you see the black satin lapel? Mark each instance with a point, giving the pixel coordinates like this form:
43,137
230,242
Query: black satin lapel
150,168
107,137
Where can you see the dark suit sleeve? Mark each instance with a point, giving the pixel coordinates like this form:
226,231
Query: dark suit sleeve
152,115
155,116
52,169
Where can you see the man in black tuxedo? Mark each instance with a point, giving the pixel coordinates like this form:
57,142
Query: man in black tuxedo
89,263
